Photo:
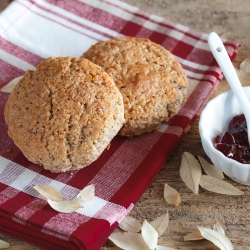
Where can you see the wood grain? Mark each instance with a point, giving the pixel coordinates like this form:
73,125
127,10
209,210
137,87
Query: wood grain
230,19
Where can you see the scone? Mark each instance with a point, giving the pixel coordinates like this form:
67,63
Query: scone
153,84
64,114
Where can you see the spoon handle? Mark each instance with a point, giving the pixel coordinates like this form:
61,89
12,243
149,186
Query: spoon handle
220,54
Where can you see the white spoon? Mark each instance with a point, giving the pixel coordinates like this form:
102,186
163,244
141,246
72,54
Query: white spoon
222,58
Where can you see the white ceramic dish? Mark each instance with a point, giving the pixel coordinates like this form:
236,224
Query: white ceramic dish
214,120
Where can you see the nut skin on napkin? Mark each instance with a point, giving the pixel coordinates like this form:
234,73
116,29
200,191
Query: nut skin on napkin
122,173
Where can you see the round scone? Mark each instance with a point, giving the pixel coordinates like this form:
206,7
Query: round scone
153,84
64,114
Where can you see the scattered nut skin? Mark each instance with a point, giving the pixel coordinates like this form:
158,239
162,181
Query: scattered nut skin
108,147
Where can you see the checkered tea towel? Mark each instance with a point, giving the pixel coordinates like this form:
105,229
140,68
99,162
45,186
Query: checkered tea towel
31,30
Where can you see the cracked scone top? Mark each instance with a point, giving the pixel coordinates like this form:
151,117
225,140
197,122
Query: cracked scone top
64,114
153,84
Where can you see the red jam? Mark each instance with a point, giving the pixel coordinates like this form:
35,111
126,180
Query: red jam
234,142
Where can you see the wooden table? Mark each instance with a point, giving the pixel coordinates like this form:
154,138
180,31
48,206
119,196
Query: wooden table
231,20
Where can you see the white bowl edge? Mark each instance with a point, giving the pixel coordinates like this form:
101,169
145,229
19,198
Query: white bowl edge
219,111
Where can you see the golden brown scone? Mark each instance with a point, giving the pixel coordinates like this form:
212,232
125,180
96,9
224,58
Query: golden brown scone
153,84
63,115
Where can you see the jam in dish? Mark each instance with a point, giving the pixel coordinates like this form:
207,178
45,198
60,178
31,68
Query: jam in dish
234,142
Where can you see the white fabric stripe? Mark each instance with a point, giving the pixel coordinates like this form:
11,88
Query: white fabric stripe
195,65
6,19
62,222
89,209
15,61
165,128
44,43
128,17
3,162
199,67
58,185
192,85
110,9
124,5
78,19
174,130
199,76
230,50
9,173
22,179
182,27
187,113
177,35
64,22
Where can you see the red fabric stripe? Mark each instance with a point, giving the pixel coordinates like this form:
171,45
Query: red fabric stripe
180,121
95,239
41,215
12,200
131,29
208,72
8,72
233,45
183,50
199,97
204,58
158,37
33,235
19,52
150,166
198,79
167,24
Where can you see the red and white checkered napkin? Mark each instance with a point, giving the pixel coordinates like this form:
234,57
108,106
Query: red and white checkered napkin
32,30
